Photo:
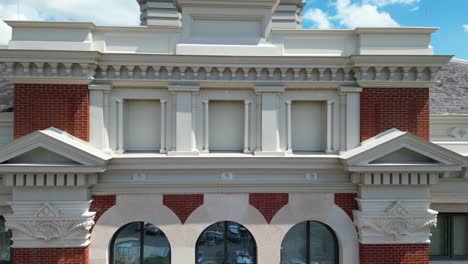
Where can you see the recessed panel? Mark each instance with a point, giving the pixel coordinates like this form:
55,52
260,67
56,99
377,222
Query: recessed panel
142,125
226,120
307,126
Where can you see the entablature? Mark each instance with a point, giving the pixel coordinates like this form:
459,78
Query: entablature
150,70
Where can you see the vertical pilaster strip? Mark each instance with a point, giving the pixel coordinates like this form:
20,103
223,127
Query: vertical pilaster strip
106,121
246,126
206,131
163,126
120,128
184,119
289,126
329,125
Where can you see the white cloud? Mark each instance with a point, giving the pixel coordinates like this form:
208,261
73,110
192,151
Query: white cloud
102,12
362,15
351,14
319,18
465,27
381,3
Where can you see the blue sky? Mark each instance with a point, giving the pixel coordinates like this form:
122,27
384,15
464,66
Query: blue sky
450,15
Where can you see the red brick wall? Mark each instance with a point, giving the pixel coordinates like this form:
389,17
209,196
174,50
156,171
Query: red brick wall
40,106
347,202
404,108
183,204
100,204
268,203
394,254
50,256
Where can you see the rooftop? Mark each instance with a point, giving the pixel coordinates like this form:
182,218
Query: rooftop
450,94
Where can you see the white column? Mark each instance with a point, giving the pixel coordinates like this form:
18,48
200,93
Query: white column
329,125
288,127
206,130
106,121
246,126
96,117
163,126
120,128
269,119
184,119
352,124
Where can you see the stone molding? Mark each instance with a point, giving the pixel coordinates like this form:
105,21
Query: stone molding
56,72
394,221
50,224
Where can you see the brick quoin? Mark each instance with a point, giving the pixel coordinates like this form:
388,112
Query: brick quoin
50,255
347,202
183,204
100,204
394,254
268,203
404,108
40,106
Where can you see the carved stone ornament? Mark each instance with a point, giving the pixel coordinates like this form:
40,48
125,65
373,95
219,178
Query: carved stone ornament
458,132
395,224
397,229
49,225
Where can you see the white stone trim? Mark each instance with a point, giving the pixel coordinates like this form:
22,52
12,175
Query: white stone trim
50,224
132,208
317,207
163,125
120,125
219,207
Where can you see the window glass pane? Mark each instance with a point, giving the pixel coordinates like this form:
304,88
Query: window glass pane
322,244
460,235
4,243
439,238
156,246
210,245
127,244
240,245
294,245
226,242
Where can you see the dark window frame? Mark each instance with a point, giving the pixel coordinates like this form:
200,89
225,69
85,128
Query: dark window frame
449,232
225,241
2,221
141,227
308,236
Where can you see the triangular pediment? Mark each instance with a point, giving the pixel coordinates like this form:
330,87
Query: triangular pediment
402,149
41,155
52,147
405,156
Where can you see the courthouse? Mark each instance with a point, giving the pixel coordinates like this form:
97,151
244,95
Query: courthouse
221,132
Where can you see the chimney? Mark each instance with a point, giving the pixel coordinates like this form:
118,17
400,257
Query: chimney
159,13
288,15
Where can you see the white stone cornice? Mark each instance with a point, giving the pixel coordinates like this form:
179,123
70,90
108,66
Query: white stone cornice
189,87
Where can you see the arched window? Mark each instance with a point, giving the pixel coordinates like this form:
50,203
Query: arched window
309,243
5,243
226,242
140,243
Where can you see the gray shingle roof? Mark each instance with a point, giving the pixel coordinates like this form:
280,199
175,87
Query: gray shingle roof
450,94
6,92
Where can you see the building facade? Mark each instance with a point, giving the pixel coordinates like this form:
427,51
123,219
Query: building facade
221,132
